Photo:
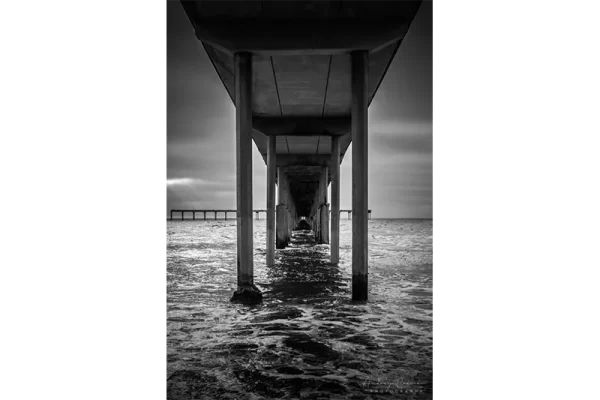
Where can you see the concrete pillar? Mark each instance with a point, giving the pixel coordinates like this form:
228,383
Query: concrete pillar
271,169
324,209
194,215
205,215
215,215
182,215
335,199
246,291
360,187
171,215
280,241
225,215
288,210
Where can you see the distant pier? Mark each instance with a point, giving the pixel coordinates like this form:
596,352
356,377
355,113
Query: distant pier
350,213
214,212
225,212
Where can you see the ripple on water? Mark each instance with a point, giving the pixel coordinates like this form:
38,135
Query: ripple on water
307,339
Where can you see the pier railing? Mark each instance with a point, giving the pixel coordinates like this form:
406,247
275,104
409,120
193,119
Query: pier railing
215,212
225,212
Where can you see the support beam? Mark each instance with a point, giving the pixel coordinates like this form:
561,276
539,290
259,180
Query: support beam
359,67
246,291
335,200
327,36
304,126
271,169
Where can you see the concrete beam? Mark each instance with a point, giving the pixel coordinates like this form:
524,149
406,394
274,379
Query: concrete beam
360,187
301,37
302,126
321,160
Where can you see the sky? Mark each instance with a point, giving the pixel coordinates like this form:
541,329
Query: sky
201,129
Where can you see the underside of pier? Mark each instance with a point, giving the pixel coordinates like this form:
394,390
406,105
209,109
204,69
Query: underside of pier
301,75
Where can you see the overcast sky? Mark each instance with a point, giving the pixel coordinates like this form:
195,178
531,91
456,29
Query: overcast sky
201,129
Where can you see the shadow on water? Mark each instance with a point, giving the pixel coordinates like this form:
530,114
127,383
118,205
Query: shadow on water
306,340
303,274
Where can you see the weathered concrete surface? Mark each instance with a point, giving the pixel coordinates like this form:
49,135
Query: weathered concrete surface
335,201
280,240
271,172
247,294
360,187
245,238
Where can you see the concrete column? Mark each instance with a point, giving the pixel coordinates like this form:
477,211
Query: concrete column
225,215
360,187
171,215
281,229
280,242
324,209
325,224
205,215
215,215
182,215
246,291
335,200
271,169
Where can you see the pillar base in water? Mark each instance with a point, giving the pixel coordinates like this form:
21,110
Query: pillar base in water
360,287
247,295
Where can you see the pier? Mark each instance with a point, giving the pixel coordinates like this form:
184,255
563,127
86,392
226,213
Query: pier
214,212
301,76
350,213
224,212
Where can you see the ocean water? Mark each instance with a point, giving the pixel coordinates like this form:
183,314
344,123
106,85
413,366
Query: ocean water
307,339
